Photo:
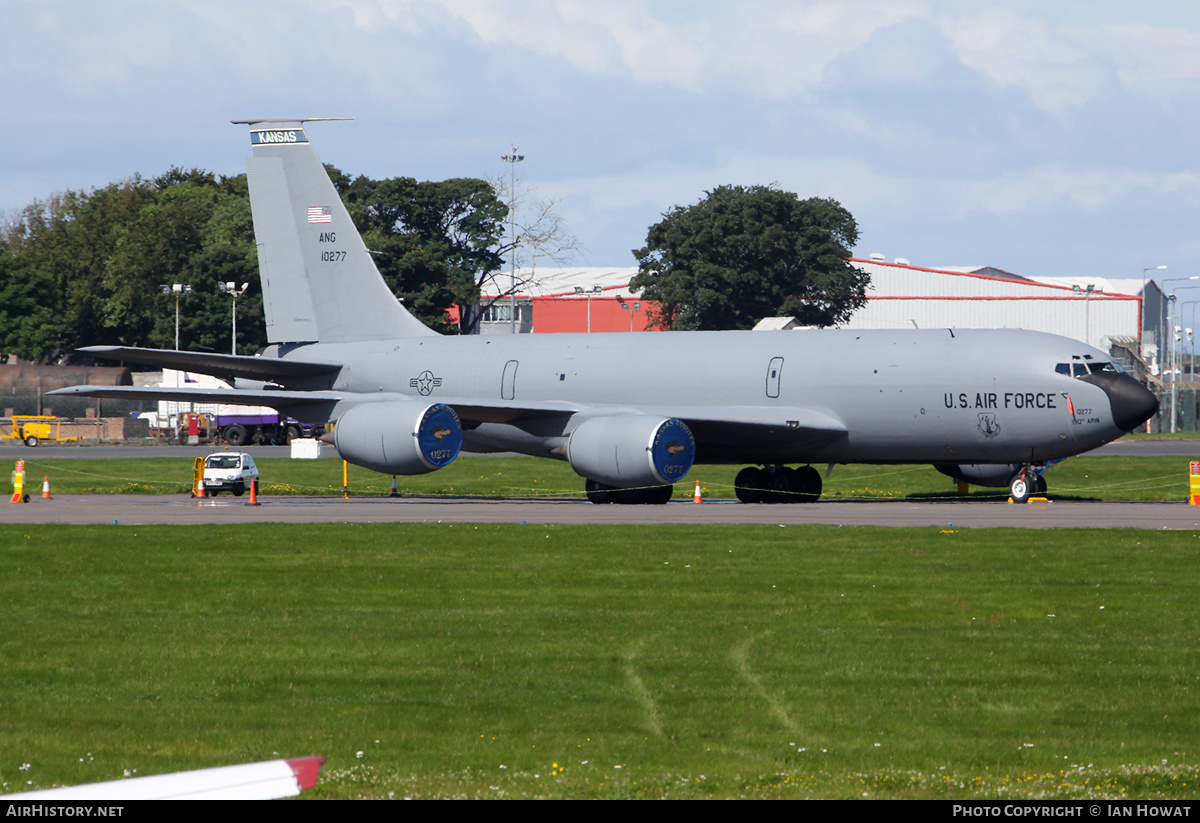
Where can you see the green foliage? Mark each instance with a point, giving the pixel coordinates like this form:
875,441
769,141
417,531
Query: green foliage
82,268
27,321
434,242
506,660
1080,478
744,253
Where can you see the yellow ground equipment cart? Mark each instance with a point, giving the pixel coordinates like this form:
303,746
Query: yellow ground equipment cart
33,429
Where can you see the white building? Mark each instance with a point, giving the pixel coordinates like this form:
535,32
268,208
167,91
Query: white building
907,296
903,296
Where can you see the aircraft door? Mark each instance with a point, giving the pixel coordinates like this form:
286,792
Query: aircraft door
508,383
774,370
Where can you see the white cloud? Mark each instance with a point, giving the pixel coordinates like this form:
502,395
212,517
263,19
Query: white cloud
762,48
1042,188
780,49
1155,55
1052,64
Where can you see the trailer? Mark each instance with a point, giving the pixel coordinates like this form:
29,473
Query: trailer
32,429
236,425
239,425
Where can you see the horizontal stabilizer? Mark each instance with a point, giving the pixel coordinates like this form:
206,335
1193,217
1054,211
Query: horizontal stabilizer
233,397
225,366
251,781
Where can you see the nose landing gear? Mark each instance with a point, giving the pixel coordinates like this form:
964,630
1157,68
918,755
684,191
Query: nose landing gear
1026,483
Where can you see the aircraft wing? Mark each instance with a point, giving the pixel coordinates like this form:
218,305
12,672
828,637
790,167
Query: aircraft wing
250,781
714,426
470,410
723,433
225,366
238,397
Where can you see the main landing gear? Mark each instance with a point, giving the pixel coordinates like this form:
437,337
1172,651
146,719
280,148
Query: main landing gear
1025,484
778,484
648,495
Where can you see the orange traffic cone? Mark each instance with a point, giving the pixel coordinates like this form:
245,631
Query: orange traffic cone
46,487
697,498
253,493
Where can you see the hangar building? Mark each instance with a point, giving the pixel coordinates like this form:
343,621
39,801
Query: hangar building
1097,311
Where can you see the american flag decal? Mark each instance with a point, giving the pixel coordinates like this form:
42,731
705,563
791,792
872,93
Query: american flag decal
320,214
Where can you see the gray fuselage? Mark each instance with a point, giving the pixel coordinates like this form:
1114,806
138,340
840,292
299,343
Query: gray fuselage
938,395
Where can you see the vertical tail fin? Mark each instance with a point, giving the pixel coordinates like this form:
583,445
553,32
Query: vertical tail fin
318,279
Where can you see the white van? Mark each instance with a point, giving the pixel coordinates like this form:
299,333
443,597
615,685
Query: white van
229,471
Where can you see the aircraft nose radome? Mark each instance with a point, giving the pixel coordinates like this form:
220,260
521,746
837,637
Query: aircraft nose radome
1132,403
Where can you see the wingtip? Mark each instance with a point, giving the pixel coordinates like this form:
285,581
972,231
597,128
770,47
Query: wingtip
306,770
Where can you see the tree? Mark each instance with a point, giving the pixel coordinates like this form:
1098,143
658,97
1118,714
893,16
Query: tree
534,230
432,242
81,268
744,253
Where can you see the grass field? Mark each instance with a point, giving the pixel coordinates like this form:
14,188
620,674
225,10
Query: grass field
554,661
1102,478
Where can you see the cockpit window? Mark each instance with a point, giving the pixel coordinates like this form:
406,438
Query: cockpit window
1080,369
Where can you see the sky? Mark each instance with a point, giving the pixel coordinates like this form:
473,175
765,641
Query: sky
1046,139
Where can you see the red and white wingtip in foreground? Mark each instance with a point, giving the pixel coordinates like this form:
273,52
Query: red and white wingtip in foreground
250,781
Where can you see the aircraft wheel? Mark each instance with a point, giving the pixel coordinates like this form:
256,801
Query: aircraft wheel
1020,487
1040,488
750,485
598,492
645,496
808,485
31,441
658,495
235,435
626,497
781,485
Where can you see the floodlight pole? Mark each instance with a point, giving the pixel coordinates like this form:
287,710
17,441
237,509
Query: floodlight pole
512,159
179,290
1087,317
233,291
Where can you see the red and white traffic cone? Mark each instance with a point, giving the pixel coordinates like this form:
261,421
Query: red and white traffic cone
46,488
697,498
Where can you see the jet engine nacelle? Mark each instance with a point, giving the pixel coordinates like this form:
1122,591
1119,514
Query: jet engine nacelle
399,437
632,450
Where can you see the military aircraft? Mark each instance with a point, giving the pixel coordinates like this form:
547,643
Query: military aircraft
631,412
